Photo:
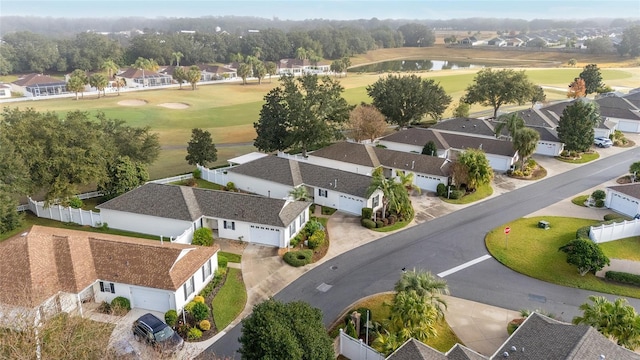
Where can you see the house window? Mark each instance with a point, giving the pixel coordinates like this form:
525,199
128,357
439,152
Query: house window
292,228
322,192
206,270
376,201
230,225
2,92
188,288
107,287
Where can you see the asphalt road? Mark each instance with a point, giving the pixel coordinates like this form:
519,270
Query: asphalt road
444,243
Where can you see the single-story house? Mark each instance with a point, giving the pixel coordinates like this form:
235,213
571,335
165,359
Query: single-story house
216,72
300,67
54,270
549,143
538,337
633,97
624,199
142,78
172,211
5,91
497,41
413,140
429,171
621,112
470,41
39,85
274,176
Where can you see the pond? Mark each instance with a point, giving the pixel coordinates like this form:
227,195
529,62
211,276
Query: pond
416,65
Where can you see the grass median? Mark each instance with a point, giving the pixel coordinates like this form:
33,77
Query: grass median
534,252
230,300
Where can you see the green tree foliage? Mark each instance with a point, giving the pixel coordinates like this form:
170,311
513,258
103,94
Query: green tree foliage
110,67
98,81
426,286
499,87
10,218
525,142
302,112
244,71
366,123
585,255
462,109
430,149
203,237
537,95
395,197
259,71
592,78
635,168
617,320
417,35
176,55
77,81
276,330
138,143
511,122
572,62
407,99
478,169
576,125
201,149
271,68
300,193
31,52
599,45
6,67
193,76
123,175
630,44
179,75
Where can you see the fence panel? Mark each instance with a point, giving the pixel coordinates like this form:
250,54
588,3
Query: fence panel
185,237
172,179
64,214
216,176
615,231
356,349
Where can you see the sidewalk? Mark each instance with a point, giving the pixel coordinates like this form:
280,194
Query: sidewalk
481,327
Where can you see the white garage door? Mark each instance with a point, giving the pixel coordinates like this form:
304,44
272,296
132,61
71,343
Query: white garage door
350,204
624,204
628,126
426,182
265,235
150,299
547,148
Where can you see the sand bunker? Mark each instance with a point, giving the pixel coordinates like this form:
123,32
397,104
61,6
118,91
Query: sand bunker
135,102
174,105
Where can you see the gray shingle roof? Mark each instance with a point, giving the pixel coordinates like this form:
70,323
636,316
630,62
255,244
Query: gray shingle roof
278,170
632,190
460,352
413,349
188,204
346,152
547,134
617,107
489,146
466,125
633,98
416,136
538,118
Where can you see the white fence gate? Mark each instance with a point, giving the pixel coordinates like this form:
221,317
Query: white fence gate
615,231
356,349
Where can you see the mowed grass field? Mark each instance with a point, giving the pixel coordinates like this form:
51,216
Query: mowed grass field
229,110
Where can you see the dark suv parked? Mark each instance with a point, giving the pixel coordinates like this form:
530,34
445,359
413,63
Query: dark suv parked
155,332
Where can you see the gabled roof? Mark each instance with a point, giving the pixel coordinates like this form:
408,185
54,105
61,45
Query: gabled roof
189,204
634,98
540,337
632,190
413,349
469,126
489,146
45,261
617,107
293,173
538,118
416,136
37,79
132,73
215,69
546,134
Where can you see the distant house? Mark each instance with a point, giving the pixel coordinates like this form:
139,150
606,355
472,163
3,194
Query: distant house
171,210
39,85
216,72
624,199
620,111
55,270
301,67
470,41
144,78
5,91
497,41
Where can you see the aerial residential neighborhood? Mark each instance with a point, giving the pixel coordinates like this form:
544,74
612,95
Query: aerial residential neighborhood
351,185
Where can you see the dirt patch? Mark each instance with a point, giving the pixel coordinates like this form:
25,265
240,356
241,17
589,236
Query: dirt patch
133,102
177,106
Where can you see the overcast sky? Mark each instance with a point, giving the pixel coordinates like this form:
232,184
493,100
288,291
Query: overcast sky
328,9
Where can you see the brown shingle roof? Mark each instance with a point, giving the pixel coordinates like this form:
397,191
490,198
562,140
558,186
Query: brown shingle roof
47,260
37,79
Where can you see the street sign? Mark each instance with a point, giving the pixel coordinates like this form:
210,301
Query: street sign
507,230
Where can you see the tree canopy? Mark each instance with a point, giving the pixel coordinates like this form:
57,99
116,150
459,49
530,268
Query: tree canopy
525,142
276,330
479,171
366,123
303,112
499,87
630,43
417,35
577,123
586,255
617,320
201,149
407,99
592,78
123,175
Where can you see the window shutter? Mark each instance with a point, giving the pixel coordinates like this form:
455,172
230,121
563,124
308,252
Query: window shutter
185,291
113,291
204,276
233,225
101,286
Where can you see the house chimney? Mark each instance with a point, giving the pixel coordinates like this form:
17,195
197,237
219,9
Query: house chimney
335,184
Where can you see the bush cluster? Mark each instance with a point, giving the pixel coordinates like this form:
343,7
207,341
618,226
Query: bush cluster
171,317
296,240
204,325
316,239
199,311
598,195
614,217
623,277
583,232
203,237
74,202
368,223
298,258
312,227
379,223
441,190
121,303
198,299
367,213
599,203
194,334
222,261
456,194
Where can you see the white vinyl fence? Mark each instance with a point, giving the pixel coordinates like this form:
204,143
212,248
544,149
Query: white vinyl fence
615,231
185,237
64,213
356,349
216,176
172,179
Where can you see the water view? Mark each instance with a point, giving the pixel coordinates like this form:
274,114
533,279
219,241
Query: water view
415,65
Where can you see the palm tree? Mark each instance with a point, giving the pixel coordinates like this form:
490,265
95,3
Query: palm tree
406,179
257,52
301,54
299,193
635,169
525,142
119,82
271,68
177,55
394,195
425,285
386,342
243,71
142,64
98,81
511,122
110,67
413,317
179,75
193,76
617,320
77,80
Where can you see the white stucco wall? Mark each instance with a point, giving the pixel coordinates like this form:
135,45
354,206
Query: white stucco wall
340,165
144,224
259,186
199,284
402,147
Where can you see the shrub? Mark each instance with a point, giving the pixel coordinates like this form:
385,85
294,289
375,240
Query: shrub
197,173
392,219
204,325
171,317
198,299
75,202
573,153
368,223
199,311
367,213
298,258
121,303
328,210
385,221
441,190
317,239
623,277
456,194
312,227
296,240
222,261
518,173
609,217
583,232
564,153
194,334
379,224
531,163
599,203
191,182
104,308
598,195
231,186
189,306
351,329
514,324
203,237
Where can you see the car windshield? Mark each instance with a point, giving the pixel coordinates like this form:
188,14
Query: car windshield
164,334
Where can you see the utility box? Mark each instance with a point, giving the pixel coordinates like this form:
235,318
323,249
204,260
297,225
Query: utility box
543,224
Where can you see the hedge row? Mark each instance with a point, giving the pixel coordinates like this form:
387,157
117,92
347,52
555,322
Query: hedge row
623,277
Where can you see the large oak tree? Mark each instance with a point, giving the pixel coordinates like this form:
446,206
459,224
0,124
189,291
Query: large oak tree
499,87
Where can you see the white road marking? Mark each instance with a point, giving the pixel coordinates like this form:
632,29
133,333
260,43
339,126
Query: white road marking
465,265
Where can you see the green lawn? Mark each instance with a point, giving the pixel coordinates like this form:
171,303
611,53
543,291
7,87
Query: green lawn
481,192
580,200
628,249
534,252
584,158
231,257
230,300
